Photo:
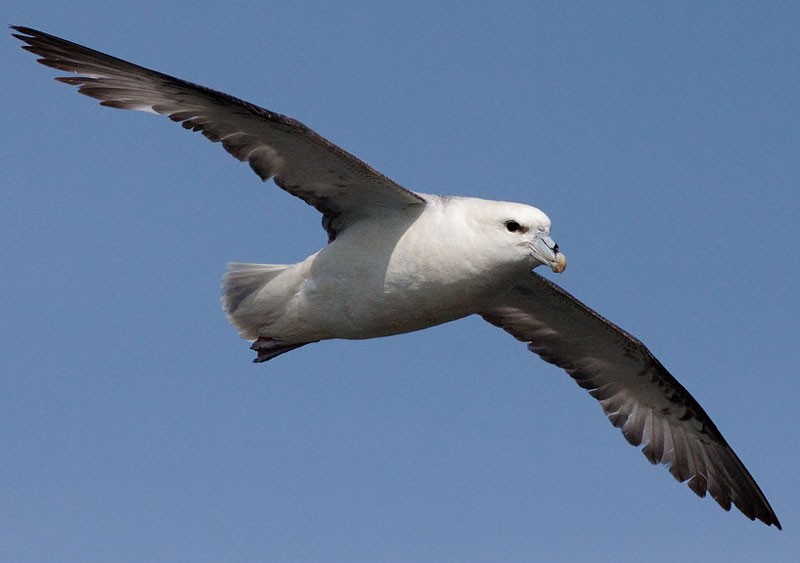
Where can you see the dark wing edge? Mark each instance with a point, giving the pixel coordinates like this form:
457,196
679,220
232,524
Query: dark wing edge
635,390
275,146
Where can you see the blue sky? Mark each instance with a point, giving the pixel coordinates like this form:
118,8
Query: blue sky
663,142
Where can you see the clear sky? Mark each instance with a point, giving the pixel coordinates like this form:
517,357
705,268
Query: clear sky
662,140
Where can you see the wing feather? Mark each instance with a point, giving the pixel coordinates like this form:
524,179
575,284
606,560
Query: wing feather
637,393
301,162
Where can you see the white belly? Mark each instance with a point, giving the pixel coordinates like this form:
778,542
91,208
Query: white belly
359,287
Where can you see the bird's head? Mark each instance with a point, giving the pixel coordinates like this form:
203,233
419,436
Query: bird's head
517,233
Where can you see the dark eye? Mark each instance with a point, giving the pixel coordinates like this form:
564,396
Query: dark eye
513,226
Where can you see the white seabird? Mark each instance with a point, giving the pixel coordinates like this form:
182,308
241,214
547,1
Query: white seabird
399,261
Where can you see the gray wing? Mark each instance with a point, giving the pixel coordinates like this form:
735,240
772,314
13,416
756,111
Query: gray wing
301,162
637,393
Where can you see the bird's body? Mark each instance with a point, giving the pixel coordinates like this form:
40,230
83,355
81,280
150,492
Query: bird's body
388,274
398,261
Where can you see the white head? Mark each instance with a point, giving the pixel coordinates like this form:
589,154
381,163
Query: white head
515,233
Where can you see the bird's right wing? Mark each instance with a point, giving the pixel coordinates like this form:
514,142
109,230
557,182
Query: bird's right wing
338,184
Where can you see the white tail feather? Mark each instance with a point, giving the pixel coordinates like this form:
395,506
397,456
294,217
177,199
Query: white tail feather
240,282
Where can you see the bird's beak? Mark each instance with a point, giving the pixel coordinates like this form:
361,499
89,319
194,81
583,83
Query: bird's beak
545,250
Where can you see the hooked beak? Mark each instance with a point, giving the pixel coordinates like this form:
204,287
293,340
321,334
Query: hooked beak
545,250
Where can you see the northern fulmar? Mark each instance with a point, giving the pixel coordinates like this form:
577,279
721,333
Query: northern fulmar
399,261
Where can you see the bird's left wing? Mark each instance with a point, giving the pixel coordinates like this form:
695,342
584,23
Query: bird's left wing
338,184
637,393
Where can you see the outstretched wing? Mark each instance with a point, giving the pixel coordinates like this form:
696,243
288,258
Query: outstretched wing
637,393
302,162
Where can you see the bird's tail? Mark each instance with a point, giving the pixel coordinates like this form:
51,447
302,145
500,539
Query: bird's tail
240,282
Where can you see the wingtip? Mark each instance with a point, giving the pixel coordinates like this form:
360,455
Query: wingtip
21,32
768,519
772,520
21,29
25,34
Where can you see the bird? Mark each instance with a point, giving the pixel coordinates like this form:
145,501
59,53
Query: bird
398,261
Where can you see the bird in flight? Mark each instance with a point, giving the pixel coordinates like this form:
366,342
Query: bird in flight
399,261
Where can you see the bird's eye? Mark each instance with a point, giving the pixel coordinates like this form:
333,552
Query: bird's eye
513,226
